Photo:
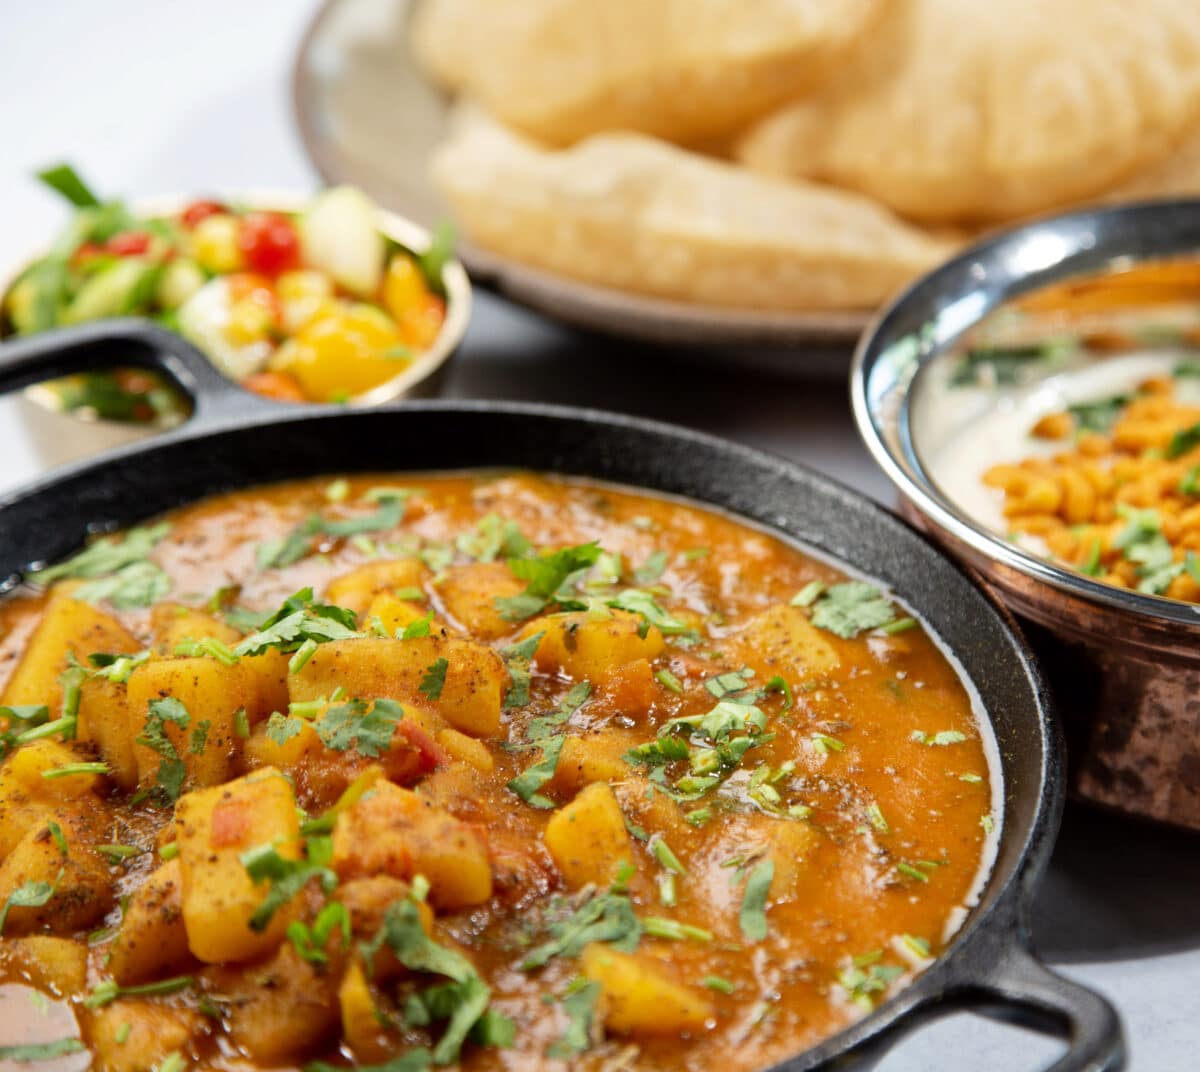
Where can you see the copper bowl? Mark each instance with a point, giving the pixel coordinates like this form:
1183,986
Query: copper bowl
1125,666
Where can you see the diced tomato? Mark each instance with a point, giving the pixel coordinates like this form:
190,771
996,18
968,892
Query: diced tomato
230,824
200,210
86,252
432,754
269,242
277,385
129,244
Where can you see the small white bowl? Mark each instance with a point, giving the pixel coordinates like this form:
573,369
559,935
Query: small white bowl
59,436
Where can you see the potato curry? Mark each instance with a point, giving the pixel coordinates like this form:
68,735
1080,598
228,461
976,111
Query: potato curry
490,770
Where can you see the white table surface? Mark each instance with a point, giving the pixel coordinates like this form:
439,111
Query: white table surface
153,96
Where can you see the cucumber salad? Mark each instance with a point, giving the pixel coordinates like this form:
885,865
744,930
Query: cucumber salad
311,306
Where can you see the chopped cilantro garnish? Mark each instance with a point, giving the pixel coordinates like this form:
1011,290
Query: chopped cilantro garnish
528,782
862,984
1184,440
287,877
491,538
546,725
604,917
668,681
282,728
108,991
106,556
517,657
715,982
673,930
753,916
650,570
310,942
579,1004
298,620
29,895
1099,416
808,594
40,1051
171,768
544,576
852,607
366,727
435,679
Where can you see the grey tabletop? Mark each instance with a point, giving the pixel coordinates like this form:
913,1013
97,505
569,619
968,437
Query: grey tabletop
198,100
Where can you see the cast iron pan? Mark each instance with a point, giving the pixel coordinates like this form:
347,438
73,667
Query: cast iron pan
234,440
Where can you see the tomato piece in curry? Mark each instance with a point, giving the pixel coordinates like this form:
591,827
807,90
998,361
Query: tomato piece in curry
492,769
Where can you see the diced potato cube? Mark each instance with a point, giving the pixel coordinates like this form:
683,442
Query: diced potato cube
67,627
213,828
394,831
152,942
356,589
361,1026
587,838
781,640
104,722
632,690
283,1008
80,877
172,623
638,997
792,847
594,757
467,750
590,648
27,766
269,673
134,1035
373,668
212,693
57,965
395,615
469,594
259,750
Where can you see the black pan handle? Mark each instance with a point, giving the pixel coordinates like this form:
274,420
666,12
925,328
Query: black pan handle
133,343
1030,994
997,976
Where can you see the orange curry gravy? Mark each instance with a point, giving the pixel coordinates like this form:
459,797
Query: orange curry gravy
760,900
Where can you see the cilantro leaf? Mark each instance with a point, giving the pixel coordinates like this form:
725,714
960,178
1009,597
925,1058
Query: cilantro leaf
753,916
1099,416
41,1051
106,556
414,1060
528,782
29,895
604,917
139,584
1184,440
546,725
544,576
199,737
366,728
282,728
852,607
404,935
300,618
580,1006
388,516
637,601
171,769
491,537
518,657
287,878
310,942
435,679
650,570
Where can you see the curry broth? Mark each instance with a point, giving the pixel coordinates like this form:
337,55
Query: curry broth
876,819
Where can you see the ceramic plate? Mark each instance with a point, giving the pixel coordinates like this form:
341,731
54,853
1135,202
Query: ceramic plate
368,116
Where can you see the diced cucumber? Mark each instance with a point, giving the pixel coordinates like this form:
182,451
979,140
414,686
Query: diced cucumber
35,299
340,234
203,320
181,279
117,290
